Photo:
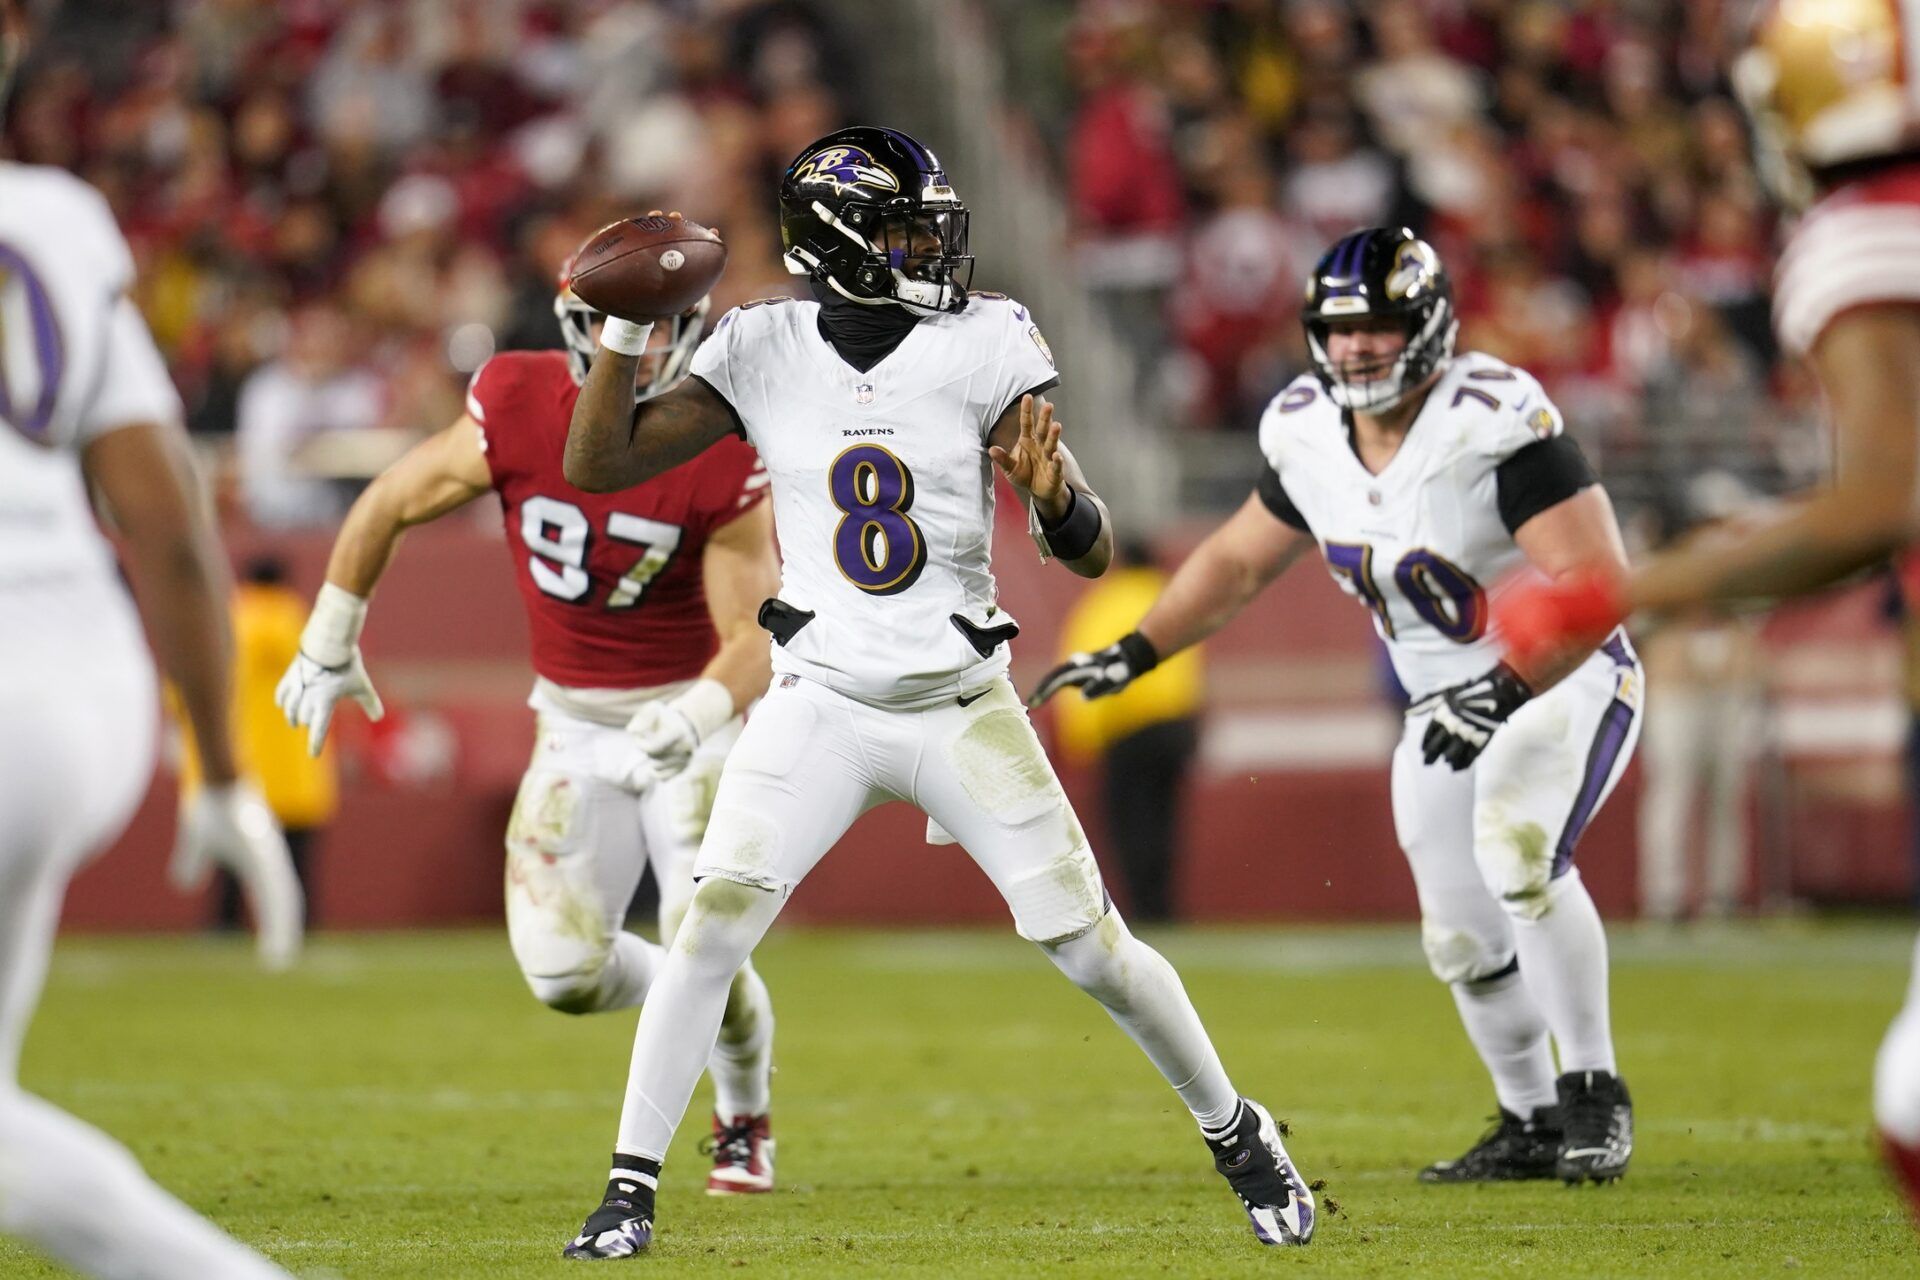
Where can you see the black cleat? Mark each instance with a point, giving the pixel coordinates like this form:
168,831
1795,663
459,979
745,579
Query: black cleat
1514,1150
623,1224
1597,1127
1254,1163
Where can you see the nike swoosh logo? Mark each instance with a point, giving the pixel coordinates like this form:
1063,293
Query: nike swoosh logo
967,702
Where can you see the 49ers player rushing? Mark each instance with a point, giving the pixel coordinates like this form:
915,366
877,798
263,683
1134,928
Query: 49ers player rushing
641,607
1832,87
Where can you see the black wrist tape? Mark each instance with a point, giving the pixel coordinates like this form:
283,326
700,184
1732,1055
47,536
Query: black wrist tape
1077,531
1140,653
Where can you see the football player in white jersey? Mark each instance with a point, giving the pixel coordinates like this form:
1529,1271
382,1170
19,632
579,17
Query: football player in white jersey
85,400
880,410
1835,102
1423,475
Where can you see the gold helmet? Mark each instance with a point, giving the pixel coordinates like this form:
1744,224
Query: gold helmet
1828,85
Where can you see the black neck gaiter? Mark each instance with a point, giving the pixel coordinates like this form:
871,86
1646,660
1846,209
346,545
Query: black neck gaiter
862,335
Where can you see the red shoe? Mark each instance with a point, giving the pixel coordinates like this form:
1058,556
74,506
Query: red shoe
742,1156
1904,1160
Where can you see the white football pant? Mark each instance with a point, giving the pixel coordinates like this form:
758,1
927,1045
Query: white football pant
75,756
577,846
1491,848
809,763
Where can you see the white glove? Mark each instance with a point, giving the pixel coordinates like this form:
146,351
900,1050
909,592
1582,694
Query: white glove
670,731
231,825
328,667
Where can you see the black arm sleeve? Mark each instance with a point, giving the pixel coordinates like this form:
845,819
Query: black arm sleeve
1541,475
1274,495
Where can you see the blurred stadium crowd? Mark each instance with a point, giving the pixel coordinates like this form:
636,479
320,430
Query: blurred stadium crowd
340,208
1580,164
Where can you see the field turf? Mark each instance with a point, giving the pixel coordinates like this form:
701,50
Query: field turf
946,1105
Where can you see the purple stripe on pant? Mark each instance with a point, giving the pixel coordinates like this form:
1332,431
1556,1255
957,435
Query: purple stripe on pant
1607,744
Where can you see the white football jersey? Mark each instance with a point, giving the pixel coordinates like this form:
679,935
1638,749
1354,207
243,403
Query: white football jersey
1420,543
76,360
882,488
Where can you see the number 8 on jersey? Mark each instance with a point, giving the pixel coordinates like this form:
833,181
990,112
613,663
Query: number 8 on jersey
876,544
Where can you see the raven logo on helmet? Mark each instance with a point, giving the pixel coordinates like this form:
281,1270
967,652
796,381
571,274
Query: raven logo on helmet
867,212
844,169
1416,267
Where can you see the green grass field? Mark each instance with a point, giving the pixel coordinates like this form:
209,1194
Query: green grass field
947,1105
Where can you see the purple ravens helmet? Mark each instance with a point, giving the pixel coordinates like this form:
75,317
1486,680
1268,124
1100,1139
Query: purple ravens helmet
1381,272
867,212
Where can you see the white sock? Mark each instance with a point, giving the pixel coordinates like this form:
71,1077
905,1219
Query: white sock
81,1197
1563,959
680,1020
1896,1073
1510,1035
1142,993
742,1061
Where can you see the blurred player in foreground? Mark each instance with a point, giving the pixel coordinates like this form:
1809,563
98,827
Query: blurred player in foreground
880,408
1836,105
1422,475
85,400
645,649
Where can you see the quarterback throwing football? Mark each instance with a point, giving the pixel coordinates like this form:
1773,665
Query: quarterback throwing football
645,649
880,408
1423,475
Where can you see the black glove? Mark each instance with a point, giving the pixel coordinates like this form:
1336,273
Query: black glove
1099,674
1467,714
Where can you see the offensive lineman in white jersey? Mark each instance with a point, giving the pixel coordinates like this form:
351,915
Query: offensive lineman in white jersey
84,399
1835,99
1423,475
876,410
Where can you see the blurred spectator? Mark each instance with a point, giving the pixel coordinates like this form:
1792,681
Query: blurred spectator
1700,742
417,170
1143,737
301,790
1582,167
317,386
1128,206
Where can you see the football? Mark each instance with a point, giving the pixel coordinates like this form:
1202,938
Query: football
649,268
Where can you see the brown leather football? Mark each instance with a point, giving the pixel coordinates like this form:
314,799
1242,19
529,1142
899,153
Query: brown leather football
649,268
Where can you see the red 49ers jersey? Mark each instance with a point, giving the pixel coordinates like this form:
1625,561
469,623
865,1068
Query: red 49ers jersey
1859,246
611,581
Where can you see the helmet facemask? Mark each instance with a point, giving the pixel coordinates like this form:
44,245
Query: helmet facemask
1376,384
915,256
664,363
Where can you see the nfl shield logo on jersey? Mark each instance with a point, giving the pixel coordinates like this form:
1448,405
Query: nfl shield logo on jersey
863,394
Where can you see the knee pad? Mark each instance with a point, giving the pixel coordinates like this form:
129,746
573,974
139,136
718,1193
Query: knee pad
1060,901
725,919
1458,956
1516,860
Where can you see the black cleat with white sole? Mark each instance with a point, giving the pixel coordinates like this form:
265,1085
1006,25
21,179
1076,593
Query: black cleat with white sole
623,1224
1250,1157
1597,1127
1513,1150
